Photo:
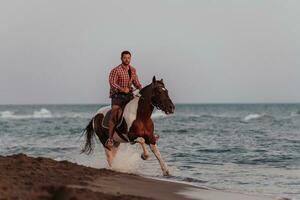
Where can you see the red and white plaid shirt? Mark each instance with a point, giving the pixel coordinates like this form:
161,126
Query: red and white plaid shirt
119,78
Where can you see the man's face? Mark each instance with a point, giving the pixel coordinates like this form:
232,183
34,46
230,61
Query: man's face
126,59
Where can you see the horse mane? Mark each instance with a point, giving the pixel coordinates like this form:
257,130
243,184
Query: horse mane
145,89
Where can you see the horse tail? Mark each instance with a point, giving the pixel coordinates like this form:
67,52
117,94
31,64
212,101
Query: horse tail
89,134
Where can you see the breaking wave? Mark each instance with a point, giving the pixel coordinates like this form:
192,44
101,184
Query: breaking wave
264,117
295,114
42,113
45,113
252,116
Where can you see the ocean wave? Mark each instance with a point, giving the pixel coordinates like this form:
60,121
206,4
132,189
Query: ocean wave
278,160
45,113
192,180
252,116
215,150
42,113
197,117
295,114
258,117
218,116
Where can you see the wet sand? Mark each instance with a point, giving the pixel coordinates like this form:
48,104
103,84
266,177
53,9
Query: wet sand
23,177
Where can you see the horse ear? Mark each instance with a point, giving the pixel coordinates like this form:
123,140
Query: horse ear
162,80
153,79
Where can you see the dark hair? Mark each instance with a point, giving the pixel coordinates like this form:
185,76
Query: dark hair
125,52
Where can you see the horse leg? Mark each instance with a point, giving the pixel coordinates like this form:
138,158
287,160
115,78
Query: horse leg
109,156
115,149
141,141
162,163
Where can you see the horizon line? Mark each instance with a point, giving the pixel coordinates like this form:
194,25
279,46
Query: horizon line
179,103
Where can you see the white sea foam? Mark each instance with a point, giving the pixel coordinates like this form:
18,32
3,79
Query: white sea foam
42,113
295,114
45,113
128,159
7,114
252,116
158,114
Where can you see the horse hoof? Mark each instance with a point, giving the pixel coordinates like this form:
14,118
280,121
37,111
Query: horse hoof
144,157
166,173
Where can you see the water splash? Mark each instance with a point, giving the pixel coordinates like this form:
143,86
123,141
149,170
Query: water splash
158,114
128,159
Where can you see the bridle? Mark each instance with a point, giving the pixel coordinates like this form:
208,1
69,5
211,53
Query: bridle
156,105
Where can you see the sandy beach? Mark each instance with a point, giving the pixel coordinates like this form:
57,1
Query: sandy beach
23,177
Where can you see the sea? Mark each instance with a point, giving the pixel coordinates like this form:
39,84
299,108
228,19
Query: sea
248,148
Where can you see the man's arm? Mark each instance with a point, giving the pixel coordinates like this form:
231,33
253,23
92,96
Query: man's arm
136,81
113,77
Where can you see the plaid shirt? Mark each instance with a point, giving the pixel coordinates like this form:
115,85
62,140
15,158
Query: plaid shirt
119,78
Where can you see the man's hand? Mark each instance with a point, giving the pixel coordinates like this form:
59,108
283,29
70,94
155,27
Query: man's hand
125,90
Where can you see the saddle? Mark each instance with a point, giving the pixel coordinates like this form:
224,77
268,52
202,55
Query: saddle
121,121
106,119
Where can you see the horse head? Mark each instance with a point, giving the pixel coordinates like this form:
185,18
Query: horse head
160,97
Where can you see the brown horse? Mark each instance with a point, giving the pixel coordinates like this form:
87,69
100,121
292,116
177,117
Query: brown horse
136,125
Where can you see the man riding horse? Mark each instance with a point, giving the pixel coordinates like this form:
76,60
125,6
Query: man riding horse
136,125
121,79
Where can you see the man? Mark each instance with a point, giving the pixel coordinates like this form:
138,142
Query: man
121,79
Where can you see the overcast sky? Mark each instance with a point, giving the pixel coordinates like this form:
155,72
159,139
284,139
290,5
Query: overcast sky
207,51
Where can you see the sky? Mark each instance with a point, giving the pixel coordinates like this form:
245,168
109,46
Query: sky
207,51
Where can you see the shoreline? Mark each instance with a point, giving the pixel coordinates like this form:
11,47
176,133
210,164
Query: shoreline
24,177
